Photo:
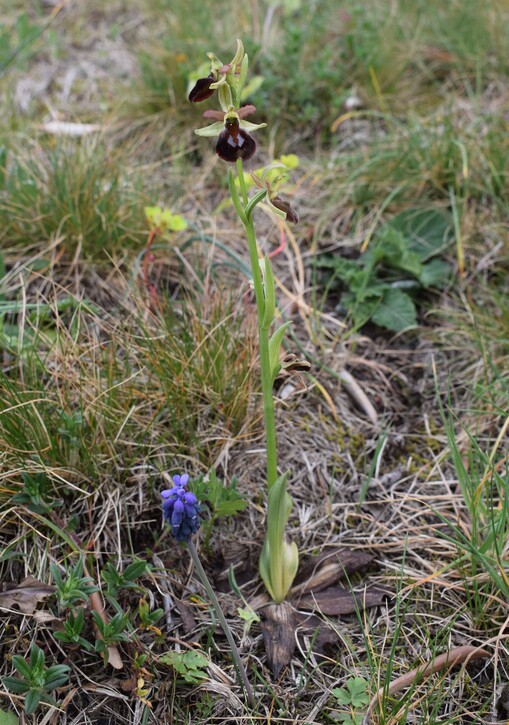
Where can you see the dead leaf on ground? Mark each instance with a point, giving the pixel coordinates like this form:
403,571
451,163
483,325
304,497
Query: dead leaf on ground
325,639
129,685
25,596
335,601
321,571
188,621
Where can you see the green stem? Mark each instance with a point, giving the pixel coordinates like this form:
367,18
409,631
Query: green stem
241,671
263,335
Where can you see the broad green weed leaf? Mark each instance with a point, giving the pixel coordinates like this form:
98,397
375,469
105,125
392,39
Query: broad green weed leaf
363,309
427,231
396,311
358,689
435,273
342,695
8,718
188,664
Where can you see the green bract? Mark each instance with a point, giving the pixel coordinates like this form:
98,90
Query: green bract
279,559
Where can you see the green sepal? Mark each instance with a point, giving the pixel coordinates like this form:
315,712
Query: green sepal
225,96
236,199
218,83
248,126
274,347
213,130
279,560
270,295
239,54
278,212
242,77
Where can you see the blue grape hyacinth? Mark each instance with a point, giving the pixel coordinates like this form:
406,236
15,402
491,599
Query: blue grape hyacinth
181,509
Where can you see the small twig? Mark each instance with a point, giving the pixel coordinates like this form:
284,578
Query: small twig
454,656
353,388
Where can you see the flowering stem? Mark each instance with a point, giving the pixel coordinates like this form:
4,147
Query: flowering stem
241,671
263,335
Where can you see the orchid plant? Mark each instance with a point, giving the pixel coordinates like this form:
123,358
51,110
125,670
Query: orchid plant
279,558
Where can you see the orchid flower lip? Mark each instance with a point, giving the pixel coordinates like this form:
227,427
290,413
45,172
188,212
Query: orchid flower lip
235,143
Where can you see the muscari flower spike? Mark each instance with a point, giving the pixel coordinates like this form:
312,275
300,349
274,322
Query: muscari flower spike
181,509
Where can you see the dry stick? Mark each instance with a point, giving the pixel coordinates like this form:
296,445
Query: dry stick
454,656
353,388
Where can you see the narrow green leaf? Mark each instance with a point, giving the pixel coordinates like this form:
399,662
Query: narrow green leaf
254,201
135,570
270,295
14,684
275,347
22,666
279,560
32,700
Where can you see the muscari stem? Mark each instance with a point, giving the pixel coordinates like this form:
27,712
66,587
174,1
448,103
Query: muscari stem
263,336
241,671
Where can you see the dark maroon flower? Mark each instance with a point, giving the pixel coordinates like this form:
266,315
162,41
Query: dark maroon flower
202,89
235,140
234,143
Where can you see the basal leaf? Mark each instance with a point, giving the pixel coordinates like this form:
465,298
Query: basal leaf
362,310
7,717
358,688
428,231
396,311
435,273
